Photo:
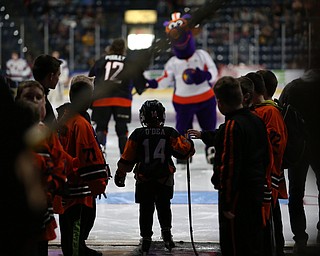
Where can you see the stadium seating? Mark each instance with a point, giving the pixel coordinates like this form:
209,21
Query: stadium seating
253,23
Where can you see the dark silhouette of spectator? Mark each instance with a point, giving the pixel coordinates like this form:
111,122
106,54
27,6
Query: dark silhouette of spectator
302,94
20,191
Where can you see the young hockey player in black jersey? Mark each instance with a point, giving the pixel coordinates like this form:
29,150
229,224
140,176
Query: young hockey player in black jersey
150,149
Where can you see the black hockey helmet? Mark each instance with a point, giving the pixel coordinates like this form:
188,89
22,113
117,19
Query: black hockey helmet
152,113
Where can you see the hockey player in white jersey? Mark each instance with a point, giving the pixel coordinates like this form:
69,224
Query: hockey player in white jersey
18,69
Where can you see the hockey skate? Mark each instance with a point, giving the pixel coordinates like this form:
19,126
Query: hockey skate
167,239
145,245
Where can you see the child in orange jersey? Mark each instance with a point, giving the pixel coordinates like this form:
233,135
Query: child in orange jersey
50,158
78,139
267,110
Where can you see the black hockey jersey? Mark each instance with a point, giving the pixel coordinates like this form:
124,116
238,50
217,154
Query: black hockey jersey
151,150
109,90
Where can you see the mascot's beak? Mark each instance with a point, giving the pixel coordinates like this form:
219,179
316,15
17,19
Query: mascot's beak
174,34
179,37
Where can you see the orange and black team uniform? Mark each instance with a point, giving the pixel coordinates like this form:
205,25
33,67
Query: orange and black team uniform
112,97
277,133
240,166
209,138
149,151
51,183
54,164
78,139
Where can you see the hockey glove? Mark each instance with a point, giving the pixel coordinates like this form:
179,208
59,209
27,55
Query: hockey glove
97,186
152,83
100,196
140,83
200,76
119,181
215,180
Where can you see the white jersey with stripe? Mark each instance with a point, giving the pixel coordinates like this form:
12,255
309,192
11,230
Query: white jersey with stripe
175,68
18,70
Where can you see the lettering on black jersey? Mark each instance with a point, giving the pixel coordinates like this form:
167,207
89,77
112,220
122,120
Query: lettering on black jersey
155,131
115,57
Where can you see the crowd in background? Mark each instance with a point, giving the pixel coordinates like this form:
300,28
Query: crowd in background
246,15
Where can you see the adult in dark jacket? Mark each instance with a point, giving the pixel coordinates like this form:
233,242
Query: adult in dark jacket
303,94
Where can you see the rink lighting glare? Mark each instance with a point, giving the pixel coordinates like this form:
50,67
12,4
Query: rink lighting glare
140,41
7,16
20,41
16,32
2,8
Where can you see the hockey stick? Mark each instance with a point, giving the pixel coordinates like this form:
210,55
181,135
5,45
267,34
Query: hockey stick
272,233
189,207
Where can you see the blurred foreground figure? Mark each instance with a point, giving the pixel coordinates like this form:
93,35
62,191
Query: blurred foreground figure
53,163
22,198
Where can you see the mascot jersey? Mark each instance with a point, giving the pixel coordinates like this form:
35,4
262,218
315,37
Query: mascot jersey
178,72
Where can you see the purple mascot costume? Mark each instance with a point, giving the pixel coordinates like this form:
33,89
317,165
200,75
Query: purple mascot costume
192,72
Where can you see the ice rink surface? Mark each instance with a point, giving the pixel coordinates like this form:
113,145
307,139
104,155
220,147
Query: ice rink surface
117,216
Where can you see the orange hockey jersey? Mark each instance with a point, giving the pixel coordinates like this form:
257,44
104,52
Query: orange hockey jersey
78,139
278,135
54,164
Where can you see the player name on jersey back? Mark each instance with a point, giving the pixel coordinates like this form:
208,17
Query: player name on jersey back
155,131
115,57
